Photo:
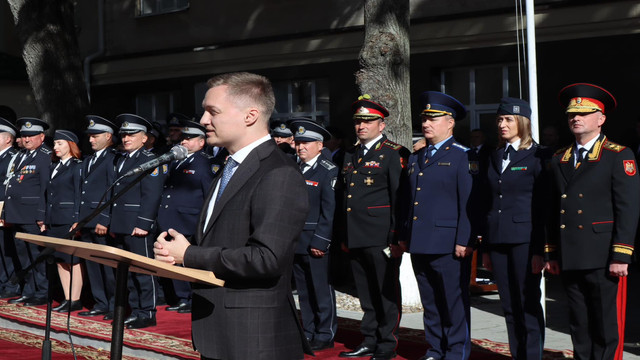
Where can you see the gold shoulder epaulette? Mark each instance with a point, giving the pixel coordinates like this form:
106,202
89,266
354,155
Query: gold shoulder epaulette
390,144
613,146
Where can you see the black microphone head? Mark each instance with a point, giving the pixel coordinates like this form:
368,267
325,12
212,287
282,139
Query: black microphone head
180,152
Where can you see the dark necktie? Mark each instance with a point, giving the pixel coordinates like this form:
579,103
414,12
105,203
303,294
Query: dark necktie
431,150
507,151
226,176
580,157
91,162
303,166
360,153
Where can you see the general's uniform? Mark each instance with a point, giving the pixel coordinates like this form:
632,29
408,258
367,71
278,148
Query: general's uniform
371,185
138,207
8,255
315,292
25,205
98,173
595,216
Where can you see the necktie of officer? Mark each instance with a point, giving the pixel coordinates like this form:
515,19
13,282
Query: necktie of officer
55,170
507,151
303,166
362,150
91,162
226,176
124,160
430,151
580,157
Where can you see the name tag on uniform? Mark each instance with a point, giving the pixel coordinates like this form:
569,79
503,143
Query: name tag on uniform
518,168
311,183
444,164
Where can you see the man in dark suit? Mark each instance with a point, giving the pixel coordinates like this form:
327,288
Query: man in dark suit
311,267
247,231
437,228
25,204
98,174
597,191
8,255
371,176
184,191
133,216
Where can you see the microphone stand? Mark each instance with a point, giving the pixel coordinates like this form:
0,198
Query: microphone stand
122,271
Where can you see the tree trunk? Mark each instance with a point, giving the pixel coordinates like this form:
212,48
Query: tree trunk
384,59
50,51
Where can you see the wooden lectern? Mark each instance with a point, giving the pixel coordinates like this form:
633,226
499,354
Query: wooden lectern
123,261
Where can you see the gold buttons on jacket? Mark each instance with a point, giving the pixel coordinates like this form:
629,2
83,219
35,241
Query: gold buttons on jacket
420,174
564,196
562,211
417,189
348,209
562,226
349,196
355,171
579,211
351,184
580,227
415,203
415,218
580,196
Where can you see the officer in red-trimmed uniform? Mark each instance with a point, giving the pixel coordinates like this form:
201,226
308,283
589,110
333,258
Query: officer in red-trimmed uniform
371,175
597,205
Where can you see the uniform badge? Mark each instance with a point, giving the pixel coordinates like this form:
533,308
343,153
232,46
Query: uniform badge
333,183
215,168
381,156
92,123
629,167
311,183
474,167
155,172
28,124
368,181
125,124
165,168
301,130
518,168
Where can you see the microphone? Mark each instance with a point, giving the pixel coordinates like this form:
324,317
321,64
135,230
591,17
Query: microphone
177,152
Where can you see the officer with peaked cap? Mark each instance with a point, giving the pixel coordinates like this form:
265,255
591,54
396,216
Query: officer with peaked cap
8,256
25,205
437,228
371,176
98,173
174,122
133,215
183,195
282,135
596,191
311,262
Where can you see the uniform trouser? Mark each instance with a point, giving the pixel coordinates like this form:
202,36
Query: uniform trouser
445,322
593,312
316,296
35,282
377,282
142,287
8,259
182,290
520,294
101,277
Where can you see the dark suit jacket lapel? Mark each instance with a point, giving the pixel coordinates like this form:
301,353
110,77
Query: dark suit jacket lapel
61,169
497,160
97,163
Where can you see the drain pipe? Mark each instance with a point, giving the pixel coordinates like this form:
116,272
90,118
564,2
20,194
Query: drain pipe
87,61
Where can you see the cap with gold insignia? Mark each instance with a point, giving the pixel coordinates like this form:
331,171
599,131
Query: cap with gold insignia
308,130
31,126
174,119
586,98
280,128
191,129
65,135
131,124
99,125
514,106
367,110
435,103
7,126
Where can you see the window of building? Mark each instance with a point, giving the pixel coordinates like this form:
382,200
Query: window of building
480,90
156,7
156,106
302,98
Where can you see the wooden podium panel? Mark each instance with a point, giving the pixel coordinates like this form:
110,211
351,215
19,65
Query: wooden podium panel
111,256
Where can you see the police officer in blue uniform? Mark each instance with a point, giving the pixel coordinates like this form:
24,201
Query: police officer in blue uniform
25,205
371,176
515,239
8,256
282,135
437,229
184,191
311,262
596,192
98,173
133,216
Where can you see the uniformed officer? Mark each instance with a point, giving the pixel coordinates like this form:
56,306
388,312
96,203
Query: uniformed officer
174,122
24,205
597,192
63,205
184,191
282,135
8,255
311,263
371,177
437,228
133,215
97,176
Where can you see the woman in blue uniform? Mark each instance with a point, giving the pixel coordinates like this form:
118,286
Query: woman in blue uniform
515,232
63,205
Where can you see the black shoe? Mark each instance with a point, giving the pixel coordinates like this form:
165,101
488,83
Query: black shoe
141,323
387,355
177,307
130,319
93,312
63,305
8,294
360,351
108,316
321,345
19,300
185,310
75,306
35,301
